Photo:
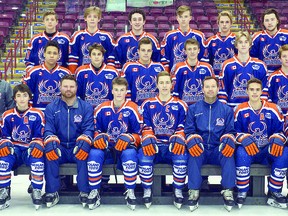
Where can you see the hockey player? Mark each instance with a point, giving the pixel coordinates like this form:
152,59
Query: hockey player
95,79
116,139
220,47
141,75
67,138
35,50
238,70
44,79
188,75
266,43
259,127
81,40
126,48
209,130
22,143
163,139
172,46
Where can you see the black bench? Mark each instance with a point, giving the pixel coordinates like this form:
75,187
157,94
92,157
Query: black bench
162,193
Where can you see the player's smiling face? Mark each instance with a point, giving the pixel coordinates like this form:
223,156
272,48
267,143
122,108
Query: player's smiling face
192,51
270,22
145,53
22,99
92,20
284,58
96,58
254,92
164,85
243,45
137,22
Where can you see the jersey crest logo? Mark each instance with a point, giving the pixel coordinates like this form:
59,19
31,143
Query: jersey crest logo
192,91
220,56
220,122
21,133
240,86
282,94
85,52
259,133
132,54
179,53
146,87
48,91
163,124
116,128
270,54
94,95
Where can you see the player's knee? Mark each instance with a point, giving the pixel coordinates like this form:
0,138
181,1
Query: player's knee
241,153
96,153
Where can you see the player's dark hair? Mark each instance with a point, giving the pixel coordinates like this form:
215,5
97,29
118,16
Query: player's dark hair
50,13
163,73
254,80
120,81
68,77
210,78
22,88
96,46
53,44
191,41
137,10
144,40
271,11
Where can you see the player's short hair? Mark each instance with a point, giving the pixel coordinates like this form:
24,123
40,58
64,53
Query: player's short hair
22,88
120,81
144,40
47,13
163,73
191,41
53,44
245,34
137,10
68,77
283,48
271,11
210,78
96,46
183,8
225,13
254,80
93,9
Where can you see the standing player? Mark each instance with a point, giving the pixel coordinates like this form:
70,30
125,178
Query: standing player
172,46
95,79
188,75
238,70
22,133
68,137
266,43
117,128
220,47
259,127
126,48
35,50
81,40
163,139
209,130
44,79
141,75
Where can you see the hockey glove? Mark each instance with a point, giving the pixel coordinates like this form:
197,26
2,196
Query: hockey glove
195,145
6,147
82,148
52,151
149,145
36,148
227,145
276,142
247,141
101,141
123,141
177,144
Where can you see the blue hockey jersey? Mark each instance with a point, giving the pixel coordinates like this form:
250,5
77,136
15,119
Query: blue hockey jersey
21,129
219,50
172,46
188,81
127,46
234,78
95,87
142,80
35,50
44,84
114,122
266,47
260,124
163,119
80,42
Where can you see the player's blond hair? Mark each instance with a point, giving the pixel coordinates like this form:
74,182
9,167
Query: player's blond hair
181,9
283,48
245,34
50,13
191,41
93,9
163,73
120,81
144,40
224,13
